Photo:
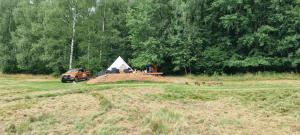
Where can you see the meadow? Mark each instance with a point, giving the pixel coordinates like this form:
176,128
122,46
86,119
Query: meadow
239,104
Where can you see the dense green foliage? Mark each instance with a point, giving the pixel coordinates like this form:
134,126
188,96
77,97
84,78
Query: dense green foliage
197,36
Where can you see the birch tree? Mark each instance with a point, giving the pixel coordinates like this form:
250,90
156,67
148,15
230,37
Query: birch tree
73,7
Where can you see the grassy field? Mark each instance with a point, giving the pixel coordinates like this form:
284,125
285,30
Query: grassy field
244,104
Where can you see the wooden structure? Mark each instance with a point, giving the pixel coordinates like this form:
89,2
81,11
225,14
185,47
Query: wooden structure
152,69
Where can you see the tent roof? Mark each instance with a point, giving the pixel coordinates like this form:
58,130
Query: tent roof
119,62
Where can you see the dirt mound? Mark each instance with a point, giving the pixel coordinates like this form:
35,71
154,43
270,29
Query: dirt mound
128,77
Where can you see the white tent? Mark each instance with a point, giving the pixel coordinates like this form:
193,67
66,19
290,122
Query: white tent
119,64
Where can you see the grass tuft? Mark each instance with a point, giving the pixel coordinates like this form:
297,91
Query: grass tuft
109,130
162,121
105,104
26,127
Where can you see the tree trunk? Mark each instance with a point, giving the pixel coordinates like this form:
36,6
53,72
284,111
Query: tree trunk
73,37
103,20
89,50
9,25
100,57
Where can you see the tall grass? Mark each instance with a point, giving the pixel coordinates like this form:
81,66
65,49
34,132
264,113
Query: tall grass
248,76
26,76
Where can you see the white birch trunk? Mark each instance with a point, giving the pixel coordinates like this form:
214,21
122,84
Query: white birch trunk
89,49
103,20
73,37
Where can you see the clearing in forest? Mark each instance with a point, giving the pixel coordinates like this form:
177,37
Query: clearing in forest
43,105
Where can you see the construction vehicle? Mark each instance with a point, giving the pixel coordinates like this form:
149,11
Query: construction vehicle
76,75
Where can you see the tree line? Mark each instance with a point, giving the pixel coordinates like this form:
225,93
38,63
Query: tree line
181,36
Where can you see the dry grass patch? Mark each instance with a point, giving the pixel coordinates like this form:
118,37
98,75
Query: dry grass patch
144,115
10,109
65,110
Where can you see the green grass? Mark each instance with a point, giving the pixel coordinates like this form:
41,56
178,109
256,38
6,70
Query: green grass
279,99
108,130
274,94
109,127
261,94
160,121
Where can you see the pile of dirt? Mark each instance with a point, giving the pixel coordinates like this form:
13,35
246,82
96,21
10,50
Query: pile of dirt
128,77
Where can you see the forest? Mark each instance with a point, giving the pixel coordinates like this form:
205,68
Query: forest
181,36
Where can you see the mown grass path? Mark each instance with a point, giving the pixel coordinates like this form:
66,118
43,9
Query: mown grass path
43,105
